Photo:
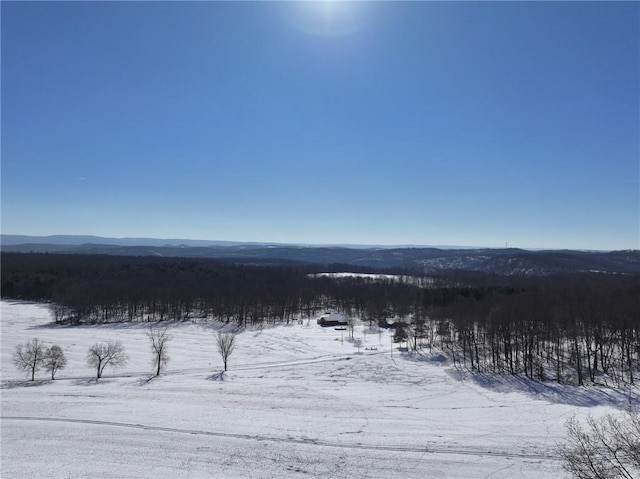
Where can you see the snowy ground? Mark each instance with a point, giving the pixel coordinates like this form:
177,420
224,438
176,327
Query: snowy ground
296,402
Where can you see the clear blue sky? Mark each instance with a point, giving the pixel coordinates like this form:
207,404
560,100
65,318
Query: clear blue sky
373,123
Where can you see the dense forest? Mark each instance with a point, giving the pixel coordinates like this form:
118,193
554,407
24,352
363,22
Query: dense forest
567,328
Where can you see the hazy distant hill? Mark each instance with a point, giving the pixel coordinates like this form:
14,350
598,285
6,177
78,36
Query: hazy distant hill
74,240
500,261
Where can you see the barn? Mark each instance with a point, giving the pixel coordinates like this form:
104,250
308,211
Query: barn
333,319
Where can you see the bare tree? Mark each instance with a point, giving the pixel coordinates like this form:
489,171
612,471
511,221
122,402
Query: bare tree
357,342
101,355
54,360
608,449
226,343
159,339
29,357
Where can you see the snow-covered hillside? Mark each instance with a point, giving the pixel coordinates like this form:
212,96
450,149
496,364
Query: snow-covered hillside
296,402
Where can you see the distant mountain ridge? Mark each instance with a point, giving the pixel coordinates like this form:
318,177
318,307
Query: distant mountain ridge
77,240
15,240
507,261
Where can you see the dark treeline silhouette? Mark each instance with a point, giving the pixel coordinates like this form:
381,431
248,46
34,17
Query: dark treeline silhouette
569,328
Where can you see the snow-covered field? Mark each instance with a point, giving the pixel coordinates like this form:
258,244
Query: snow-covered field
296,402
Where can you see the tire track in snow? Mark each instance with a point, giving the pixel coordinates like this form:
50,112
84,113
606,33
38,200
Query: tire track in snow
292,440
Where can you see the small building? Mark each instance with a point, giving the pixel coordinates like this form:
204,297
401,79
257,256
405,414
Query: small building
333,319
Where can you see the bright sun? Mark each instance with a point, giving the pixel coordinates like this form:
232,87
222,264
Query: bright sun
328,17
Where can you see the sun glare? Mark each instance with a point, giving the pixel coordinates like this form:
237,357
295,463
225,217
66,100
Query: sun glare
328,17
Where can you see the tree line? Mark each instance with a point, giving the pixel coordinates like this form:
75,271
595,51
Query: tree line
567,328
34,355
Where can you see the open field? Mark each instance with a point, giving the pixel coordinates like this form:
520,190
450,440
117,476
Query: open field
296,402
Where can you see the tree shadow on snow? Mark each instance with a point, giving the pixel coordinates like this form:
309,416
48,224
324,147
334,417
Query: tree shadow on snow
12,384
434,358
146,380
580,396
115,325
217,376
91,381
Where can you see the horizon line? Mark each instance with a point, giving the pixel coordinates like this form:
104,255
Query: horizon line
182,242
